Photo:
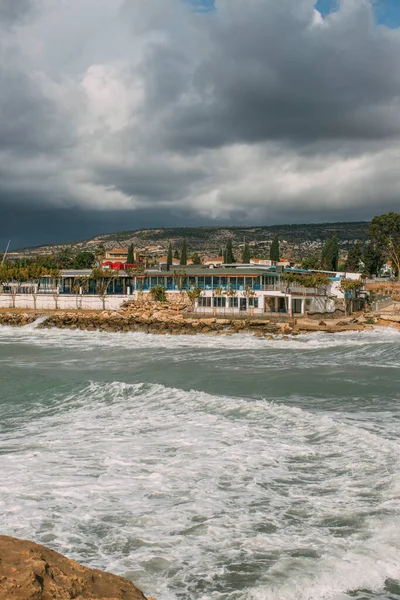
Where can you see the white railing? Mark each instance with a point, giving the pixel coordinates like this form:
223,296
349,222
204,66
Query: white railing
294,289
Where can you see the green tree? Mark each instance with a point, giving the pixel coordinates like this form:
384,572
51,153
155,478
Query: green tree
384,231
131,255
193,295
246,254
84,260
100,253
229,257
176,254
311,263
169,255
184,253
274,253
373,259
196,259
64,258
330,254
10,277
180,278
103,279
354,258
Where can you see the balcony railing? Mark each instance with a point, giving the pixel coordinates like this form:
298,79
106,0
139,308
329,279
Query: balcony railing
279,287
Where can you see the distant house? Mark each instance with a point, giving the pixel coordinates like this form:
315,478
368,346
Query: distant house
116,255
284,262
387,269
115,258
262,261
163,260
213,262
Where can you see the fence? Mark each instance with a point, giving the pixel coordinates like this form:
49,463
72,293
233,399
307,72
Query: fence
381,303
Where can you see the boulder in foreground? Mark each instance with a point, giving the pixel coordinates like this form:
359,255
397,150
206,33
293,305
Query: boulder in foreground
32,572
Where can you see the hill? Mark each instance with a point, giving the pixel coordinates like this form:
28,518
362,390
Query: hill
298,240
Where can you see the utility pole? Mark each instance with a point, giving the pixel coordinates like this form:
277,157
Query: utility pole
5,253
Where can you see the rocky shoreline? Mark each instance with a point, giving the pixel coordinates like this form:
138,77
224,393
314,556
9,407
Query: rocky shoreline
29,571
176,319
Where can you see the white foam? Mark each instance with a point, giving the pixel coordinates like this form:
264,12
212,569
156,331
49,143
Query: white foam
197,496
92,339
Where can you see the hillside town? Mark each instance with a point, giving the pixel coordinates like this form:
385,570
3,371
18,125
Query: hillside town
217,285
233,284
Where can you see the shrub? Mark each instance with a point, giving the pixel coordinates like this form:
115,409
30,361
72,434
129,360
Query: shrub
158,293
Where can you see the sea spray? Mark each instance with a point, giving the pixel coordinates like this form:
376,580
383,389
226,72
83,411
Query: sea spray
288,491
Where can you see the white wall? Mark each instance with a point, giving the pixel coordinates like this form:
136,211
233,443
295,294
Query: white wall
335,285
65,302
86,302
309,303
321,304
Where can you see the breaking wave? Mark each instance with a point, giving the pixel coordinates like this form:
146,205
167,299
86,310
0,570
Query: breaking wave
200,496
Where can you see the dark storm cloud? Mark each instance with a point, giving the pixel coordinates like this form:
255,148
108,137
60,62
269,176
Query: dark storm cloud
255,112
12,11
30,122
148,181
28,226
270,75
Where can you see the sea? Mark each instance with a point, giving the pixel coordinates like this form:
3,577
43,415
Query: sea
208,467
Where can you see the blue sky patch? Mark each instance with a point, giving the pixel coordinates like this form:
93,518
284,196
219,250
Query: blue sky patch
387,12
203,5
325,7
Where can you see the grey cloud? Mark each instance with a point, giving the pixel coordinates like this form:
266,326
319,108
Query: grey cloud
254,113
13,11
270,76
30,122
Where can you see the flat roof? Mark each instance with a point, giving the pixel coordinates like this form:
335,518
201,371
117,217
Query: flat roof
75,272
208,272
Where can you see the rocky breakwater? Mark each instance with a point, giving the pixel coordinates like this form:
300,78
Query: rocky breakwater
172,317
32,572
18,318
175,317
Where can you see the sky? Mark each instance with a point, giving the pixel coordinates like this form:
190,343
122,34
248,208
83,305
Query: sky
123,114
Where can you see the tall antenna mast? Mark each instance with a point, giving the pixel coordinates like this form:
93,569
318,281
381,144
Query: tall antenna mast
5,253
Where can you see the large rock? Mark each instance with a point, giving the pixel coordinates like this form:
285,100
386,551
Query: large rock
392,318
32,572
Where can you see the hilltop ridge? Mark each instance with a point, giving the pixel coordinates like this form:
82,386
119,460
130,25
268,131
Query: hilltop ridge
210,239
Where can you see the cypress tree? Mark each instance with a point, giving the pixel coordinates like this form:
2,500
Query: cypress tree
131,255
354,258
169,255
325,254
246,254
184,253
274,253
335,253
176,254
373,259
229,256
330,254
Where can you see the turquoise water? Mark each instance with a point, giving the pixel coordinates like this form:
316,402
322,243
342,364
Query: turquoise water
207,467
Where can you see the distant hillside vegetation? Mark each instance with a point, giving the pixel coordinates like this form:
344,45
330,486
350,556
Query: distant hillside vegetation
198,236
212,239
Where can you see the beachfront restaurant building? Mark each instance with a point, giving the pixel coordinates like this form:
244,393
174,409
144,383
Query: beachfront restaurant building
226,290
